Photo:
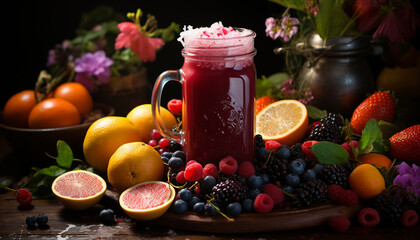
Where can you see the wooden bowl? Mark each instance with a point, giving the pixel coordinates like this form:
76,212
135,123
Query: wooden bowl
32,144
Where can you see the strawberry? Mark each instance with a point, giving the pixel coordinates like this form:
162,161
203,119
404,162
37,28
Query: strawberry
405,145
264,101
379,106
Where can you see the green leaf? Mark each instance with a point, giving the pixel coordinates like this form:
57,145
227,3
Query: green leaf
65,154
315,113
331,19
295,4
371,138
330,153
51,171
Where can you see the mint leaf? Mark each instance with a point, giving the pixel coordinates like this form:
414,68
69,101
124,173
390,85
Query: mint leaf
371,138
315,113
330,153
65,154
331,19
51,171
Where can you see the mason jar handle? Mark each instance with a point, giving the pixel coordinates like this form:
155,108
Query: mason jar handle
165,77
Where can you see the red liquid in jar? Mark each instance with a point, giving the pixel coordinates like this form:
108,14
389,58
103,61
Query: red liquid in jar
218,118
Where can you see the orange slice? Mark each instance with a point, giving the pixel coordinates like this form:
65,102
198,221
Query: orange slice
147,200
79,189
284,121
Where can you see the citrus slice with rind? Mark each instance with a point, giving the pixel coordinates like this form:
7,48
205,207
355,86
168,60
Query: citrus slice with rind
284,121
79,189
147,200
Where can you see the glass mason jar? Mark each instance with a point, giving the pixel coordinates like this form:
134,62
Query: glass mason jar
218,81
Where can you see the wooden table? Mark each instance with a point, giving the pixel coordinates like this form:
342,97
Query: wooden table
66,224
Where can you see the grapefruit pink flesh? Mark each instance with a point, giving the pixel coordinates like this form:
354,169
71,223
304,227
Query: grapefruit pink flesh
78,185
147,196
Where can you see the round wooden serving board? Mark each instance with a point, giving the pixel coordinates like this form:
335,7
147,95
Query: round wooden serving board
276,220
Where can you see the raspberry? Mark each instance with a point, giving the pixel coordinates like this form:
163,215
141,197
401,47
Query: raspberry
246,169
193,172
348,197
272,145
346,145
228,165
369,217
334,192
274,192
263,203
339,223
23,196
307,150
175,106
190,162
210,170
409,218
180,178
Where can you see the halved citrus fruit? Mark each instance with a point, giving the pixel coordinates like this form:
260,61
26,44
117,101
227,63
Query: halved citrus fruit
79,189
147,200
284,121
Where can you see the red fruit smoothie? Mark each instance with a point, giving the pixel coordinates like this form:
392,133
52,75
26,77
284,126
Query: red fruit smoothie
218,84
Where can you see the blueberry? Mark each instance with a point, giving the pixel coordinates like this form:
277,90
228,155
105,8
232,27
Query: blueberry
255,181
308,174
164,159
180,154
106,216
185,194
175,162
265,178
167,155
180,206
199,207
254,192
296,167
302,161
193,201
208,183
211,210
248,205
288,189
262,152
42,220
283,152
31,221
292,179
234,208
318,167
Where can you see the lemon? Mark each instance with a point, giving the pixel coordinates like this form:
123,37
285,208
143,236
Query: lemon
104,137
79,189
142,117
284,121
147,200
134,163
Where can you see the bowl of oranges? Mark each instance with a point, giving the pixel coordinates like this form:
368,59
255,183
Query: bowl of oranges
32,128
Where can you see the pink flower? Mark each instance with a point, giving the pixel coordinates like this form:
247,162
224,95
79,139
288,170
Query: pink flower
390,28
288,27
142,45
409,19
271,28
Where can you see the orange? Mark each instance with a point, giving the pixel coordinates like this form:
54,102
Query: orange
53,113
284,121
147,200
104,137
134,163
78,189
18,107
366,181
77,94
142,117
379,160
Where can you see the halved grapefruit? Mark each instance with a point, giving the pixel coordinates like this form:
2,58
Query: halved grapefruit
284,121
147,200
79,189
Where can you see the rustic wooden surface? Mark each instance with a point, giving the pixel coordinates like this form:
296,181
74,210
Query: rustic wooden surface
66,224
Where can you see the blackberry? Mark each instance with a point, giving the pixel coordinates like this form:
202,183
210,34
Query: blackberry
388,207
275,168
259,142
311,192
334,174
296,151
221,177
328,130
229,191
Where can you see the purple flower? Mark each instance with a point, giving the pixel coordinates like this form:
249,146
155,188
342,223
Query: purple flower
288,27
408,177
271,28
92,66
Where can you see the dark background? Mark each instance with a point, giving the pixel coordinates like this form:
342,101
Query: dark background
31,28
